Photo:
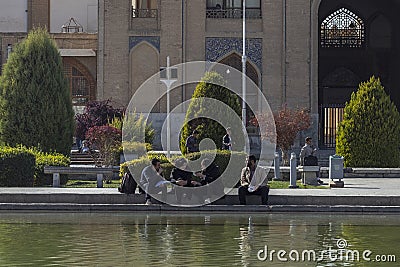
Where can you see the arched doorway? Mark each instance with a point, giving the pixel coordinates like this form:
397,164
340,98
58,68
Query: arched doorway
81,83
355,41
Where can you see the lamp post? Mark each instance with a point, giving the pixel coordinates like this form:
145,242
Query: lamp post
168,79
244,59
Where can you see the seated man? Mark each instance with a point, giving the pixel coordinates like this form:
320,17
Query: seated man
253,182
307,156
208,175
152,181
181,176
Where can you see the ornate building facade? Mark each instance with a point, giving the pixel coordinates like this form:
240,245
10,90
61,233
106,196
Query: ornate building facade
305,53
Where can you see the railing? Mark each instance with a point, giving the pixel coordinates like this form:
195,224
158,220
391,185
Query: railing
350,38
330,117
144,13
233,13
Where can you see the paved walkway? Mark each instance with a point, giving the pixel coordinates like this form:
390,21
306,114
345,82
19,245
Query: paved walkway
359,195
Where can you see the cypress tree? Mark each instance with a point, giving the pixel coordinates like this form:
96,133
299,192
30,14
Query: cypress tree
35,103
369,135
211,86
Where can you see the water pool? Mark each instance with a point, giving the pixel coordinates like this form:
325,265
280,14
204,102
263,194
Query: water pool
127,239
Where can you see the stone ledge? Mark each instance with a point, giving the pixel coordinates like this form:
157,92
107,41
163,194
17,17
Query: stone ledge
231,200
9,207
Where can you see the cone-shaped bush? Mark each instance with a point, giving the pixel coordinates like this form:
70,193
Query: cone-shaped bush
211,86
35,103
369,135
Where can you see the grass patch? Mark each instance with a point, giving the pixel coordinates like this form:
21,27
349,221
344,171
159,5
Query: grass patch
285,185
90,184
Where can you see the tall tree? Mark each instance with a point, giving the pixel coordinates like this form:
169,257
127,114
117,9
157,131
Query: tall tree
211,86
35,103
369,135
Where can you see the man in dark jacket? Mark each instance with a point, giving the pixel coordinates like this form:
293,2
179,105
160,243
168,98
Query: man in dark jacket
182,177
192,143
227,140
209,176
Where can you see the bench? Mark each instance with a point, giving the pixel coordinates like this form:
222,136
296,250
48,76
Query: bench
308,174
56,171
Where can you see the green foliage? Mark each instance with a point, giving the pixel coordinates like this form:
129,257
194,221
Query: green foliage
17,167
35,103
134,148
369,135
48,159
208,88
116,123
133,128
137,166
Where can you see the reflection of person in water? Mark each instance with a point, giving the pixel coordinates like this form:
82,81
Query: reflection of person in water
245,248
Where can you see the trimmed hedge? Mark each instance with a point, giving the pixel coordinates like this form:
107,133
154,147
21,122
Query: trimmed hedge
23,167
49,159
222,160
369,135
17,167
212,85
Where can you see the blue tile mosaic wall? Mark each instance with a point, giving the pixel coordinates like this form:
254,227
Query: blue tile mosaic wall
217,47
153,40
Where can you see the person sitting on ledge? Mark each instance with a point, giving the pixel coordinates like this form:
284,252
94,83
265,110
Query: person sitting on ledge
307,156
152,181
253,181
181,176
209,178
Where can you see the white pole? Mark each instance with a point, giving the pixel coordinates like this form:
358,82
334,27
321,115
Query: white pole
244,70
168,107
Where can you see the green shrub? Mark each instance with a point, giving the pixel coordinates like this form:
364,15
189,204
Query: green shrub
369,135
49,159
196,116
17,167
35,101
135,127
134,147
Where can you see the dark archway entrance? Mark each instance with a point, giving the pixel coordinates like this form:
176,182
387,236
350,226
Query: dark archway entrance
357,39
81,83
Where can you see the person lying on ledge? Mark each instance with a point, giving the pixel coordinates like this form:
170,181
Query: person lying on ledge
253,181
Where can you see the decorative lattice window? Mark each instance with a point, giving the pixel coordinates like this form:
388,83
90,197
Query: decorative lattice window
81,87
342,29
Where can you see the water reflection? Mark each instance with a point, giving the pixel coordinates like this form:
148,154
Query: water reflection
124,239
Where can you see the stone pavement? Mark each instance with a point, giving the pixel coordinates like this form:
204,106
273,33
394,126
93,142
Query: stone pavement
359,195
